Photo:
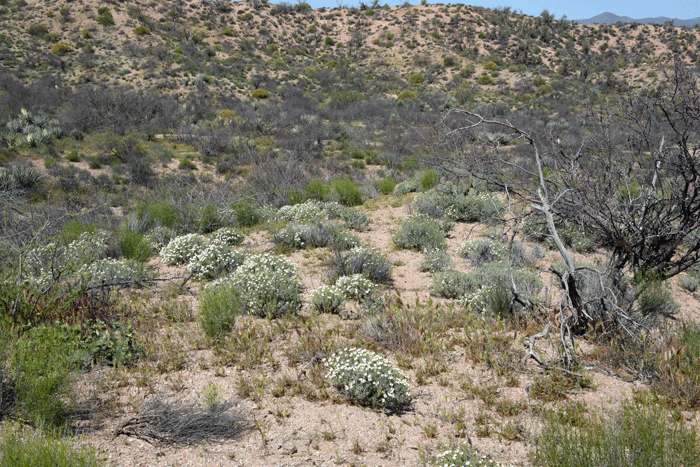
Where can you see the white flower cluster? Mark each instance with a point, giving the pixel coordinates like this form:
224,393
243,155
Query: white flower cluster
367,378
435,260
111,271
228,236
182,249
308,211
479,301
215,259
463,456
356,287
267,285
52,261
327,299
484,249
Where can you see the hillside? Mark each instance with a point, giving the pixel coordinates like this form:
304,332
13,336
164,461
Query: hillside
239,46
265,235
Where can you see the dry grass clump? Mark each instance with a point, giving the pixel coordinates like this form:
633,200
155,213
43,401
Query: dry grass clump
163,422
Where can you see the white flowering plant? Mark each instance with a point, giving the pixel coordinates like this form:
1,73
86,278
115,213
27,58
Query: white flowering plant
328,299
267,285
463,456
435,260
356,287
111,272
53,261
367,378
450,284
315,235
182,249
308,211
228,236
482,251
215,260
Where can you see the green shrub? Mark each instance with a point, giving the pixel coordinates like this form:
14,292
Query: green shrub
637,436
73,156
367,378
419,232
490,66
435,260
406,94
386,185
186,164
158,213
366,261
259,94
105,17
133,244
416,78
208,220
317,190
61,48
23,446
428,179
348,193
327,299
182,249
73,229
246,214
655,301
142,31
38,30
468,70
485,80
41,367
219,305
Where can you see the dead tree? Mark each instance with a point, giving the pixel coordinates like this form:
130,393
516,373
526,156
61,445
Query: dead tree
638,196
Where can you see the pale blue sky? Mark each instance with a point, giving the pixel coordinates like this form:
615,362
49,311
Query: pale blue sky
681,9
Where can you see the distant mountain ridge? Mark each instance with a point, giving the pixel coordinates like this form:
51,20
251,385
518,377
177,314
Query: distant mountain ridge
612,18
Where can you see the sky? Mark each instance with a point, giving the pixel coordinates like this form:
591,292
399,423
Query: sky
680,9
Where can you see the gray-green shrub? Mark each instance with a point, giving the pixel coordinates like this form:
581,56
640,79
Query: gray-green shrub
435,260
366,261
418,232
459,203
